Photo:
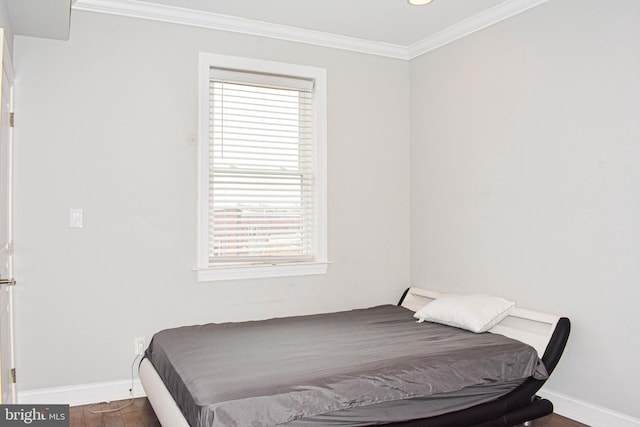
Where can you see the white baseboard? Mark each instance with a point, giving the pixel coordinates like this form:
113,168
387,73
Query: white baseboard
587,413
83,394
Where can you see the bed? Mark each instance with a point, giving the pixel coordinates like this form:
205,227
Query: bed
372,366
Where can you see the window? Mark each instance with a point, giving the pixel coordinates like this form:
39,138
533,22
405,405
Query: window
262,169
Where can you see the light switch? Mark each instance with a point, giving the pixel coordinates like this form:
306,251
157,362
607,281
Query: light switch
75,218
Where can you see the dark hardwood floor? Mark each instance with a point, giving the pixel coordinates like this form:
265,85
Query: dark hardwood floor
140,414
555,420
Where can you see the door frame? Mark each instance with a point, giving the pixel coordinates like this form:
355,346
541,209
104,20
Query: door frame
9,282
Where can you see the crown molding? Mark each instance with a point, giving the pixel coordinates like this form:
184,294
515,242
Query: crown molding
195,18
480,21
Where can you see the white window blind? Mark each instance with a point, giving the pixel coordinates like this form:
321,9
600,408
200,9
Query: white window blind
262,169
261,164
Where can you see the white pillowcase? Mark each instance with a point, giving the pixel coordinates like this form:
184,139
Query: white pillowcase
475,312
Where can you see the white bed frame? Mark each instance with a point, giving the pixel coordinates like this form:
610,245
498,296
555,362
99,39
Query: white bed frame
531,327
166,409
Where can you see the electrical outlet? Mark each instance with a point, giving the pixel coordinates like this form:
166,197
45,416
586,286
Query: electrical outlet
139,345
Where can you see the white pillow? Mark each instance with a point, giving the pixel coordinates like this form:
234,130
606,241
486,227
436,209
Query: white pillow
475,313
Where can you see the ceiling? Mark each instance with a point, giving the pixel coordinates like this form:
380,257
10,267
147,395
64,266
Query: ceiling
391,28
389,21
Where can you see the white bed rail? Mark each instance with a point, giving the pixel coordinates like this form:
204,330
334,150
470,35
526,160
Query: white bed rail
531,327
164,406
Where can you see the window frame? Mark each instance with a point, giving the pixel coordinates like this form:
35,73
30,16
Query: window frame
319,264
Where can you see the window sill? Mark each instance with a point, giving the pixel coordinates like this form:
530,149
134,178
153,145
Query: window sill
261,271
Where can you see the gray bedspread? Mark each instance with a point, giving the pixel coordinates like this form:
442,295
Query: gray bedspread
270,372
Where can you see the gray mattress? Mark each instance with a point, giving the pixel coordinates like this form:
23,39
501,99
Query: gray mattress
306,368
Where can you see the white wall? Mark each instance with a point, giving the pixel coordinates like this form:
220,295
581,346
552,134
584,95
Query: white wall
524,153
107,122
525,160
